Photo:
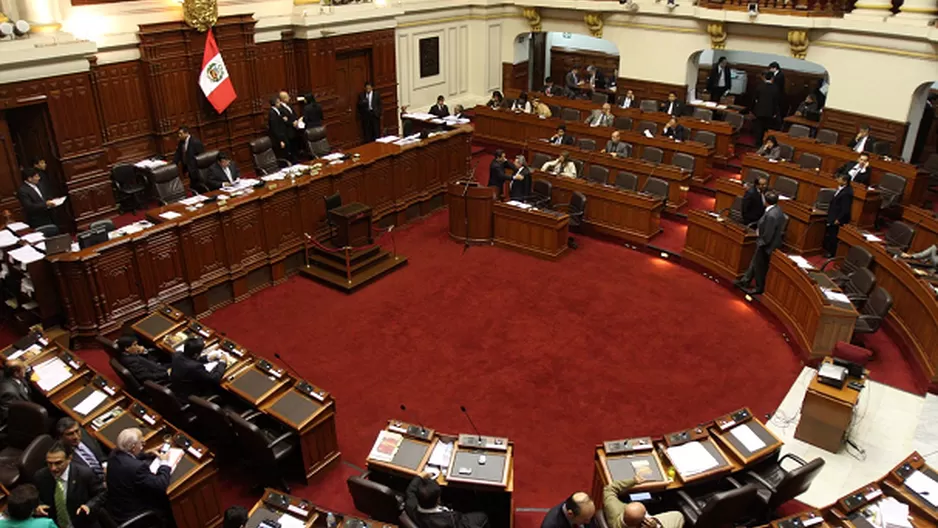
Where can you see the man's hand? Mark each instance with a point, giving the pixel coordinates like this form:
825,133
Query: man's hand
83,510
41,511
650,522
164,456
283,145
50,203
426,475
905,255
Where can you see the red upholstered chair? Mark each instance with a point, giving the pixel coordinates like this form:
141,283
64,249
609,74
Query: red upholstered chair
854,353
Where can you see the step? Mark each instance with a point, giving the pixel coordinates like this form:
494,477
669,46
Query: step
339,256
339,267
381,268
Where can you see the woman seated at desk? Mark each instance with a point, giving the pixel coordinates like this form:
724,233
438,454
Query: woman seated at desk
496,101
521,104
561,166
770,149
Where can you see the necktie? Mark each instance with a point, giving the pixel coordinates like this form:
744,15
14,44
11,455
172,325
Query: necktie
61,509
90,460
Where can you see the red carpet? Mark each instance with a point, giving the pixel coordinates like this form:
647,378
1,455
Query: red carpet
672,237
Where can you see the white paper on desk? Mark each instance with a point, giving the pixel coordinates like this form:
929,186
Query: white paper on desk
871,237
924,486
51,373
58,201
17,226
441,455
192,200
210,366
288,521
26,255
835,295
520,205
648,133
90,403
747,437
691,459
175,455
783,197
894,514
801,262
32,238
170,215
7,238
388,139
333,156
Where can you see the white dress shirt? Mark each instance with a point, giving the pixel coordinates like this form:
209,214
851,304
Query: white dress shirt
35,188
861,144
227,171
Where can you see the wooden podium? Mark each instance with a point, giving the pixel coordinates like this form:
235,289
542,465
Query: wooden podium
352,224
719,244
826,413
470,207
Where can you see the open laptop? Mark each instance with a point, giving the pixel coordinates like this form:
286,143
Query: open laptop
58,244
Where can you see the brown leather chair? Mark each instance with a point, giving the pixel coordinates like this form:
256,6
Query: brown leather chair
735,119
657,187
648,105
622,123
26,422
898,237
797,130
265,161
539,160
204,161
264,450
34,458
647,125
776,485
703,114
786,186
683,161
824,198
570,114
127,378
167,186
857,257
380,502
891,188
600,98
721,509
212,423
587,144
882,148
627,181
754,174
579,167
317,142
859,285
129,186
809,161
652,154
874,312
706,137
598,174
167,404
827,136
787,152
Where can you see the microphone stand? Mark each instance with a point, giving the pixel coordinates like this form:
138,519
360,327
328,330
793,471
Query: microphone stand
465,192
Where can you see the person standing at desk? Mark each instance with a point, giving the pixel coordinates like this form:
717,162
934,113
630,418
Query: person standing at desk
718,82
312,112
69,493
22,503
577,511
369,112
858,171
138,360
190,375
633,514
497,176
770,234
277,130
13,387
84,449
521,180
131,488
572,81
561,137
36,205
753,202
778,80
187,149
422,505
838,214
766,107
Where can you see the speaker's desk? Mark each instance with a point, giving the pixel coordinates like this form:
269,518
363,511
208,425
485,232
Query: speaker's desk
826,413
718,244
470,208
539,232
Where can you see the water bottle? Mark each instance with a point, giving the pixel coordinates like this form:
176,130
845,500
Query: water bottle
330,520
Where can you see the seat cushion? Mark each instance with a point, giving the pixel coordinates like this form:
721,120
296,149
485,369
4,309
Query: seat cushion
854,353
862,327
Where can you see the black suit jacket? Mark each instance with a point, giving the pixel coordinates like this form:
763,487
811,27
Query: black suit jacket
11,391
714,78
770,229
217,178
753,206
767,100
187,158
555,518
312,115
278,125
839,210
497,176
678,109
779,82
555,91
190,377
867,147
567,139
375,112
144,368
678,132
132,489
446,519
862,176
521,189
35,210
439,112
632,104
84,488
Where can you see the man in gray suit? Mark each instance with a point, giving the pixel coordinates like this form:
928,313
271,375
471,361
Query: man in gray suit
616,148
601,118
13,387
770,232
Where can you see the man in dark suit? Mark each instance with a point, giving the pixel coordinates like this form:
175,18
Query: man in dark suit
131,488
69,493
312,112
858,171
36,205
45,183
552,89
521,179
770,232
838,214
84,449
369,111
440,109
753,203
497,176
422,504
278,128
672,106
189,375
290,120
863,141
765,107
924,126
561,137
223,172
13,387
778,79
718,82
577,511
629,101
187,149
674,131
572,80
141,364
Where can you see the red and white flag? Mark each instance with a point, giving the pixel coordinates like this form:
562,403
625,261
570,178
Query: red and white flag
214,80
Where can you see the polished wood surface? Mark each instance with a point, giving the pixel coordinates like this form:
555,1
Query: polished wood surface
826,413
894,484
846,124
220,253
718,244
470,207
914,314
816,323
535,232
891,485
925,223
275,504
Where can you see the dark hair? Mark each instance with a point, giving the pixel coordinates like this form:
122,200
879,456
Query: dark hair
775,65
767,76
721,59
125,341
274,101
235,517
368,83
29,172
932,97
498,94
771,197
523,96
572,506
440,98
773,140
58,447
562,126
64,424
37,159
842,176
864,126
867,154
499,153
23,500
193,347
428,493
223,156
549,79
672,93
183,128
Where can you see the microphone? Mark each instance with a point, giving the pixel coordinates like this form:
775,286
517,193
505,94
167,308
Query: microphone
289,366
419,430
481,442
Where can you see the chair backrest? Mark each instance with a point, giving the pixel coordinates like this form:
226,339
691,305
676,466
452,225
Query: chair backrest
684,161
797,130
578,203
598,174
862,281
332,201
648,105
203,162
899,235
33,458
736,210
809,161
931,164
879,303
600,98
706,137
795,482
539,160
703,113
735,119
786,186
657,187
653,154
380,502
25,421
892,184
647,125
857,258
262,152
251,439
786,152
317,142
627,181
622,123
554,110
628,149
570,114
579,167
106,224
210,417
48,230
124,174
882,148
542,189
754,174
728,507
167,186
127,378
406,521
587,144
827,136
824,197
164,401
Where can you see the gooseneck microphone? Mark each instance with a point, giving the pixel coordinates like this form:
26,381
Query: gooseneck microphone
423,430
289,366
476,429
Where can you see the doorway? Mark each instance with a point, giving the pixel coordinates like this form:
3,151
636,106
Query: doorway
353,69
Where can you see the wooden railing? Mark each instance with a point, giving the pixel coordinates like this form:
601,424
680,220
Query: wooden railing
808,8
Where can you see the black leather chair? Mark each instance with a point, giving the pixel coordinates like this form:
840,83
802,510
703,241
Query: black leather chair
600,99
721,509
891,188
167,186
579,167
735,211
874,312
882,148
168,405
332,201
647,125
380,502
736,120
199,180
263,449
106,224
131,383
317,142
856,258
657,187
898,237
683,161
212,422
539,160
570,114
786,186
754,174
776,485
706,137
622,123
128,185
809,161
48,230
265,161
648,105
704,114
540,193
554,110
33,458
859,285
598,174
25,422
587,144
627,181
797,130
652,154
576,209
787,152
824,198
827,136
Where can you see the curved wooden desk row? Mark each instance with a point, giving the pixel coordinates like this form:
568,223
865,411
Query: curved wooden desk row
194,488
506,128
834,156
299,406
914,314
217,254
277,506
724,131
925,223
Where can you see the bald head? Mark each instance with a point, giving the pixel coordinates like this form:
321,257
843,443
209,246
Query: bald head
579,508
633,514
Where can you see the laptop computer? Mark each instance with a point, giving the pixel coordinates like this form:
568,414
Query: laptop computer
58,244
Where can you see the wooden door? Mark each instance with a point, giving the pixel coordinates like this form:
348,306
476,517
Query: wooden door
9,169
352,70
32,138
538,54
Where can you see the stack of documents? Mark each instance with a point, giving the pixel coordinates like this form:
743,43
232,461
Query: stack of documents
7,239
388,139
386,446
26,255
90,403
453,120
150,163
870,237
170,215
745,435
409,140
52,373
175,455
520,205
691,459
421,116
835,295
441,455
894,514
801,262
194,199
16,227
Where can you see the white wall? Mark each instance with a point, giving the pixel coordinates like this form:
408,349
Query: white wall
455,58
710,56
522,48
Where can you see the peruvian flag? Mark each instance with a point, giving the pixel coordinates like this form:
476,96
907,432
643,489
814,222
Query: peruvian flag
214,80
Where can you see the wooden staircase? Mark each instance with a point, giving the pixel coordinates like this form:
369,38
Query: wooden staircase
364,266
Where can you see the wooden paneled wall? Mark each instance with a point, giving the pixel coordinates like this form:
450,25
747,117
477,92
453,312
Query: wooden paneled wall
562,60
797,84
515,76
846,125
657,91
127,111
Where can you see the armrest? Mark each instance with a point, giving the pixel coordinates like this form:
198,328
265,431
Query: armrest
734,482
213,398
250,414
762,482
138,519
829,261
691,503
282,163
857,297
279,439
794,457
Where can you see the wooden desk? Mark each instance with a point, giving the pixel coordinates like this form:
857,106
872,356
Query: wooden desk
352,224
826,413
925,223
470,207
678,180
218,254
537,232
718,244
610,211
794,296
728,429
786,522
834,156
846,510
274,504
914,314
507,128
895,484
